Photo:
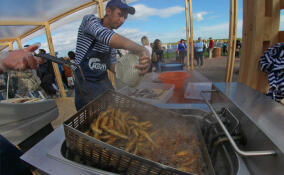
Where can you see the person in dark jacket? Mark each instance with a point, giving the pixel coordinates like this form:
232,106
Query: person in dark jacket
157,54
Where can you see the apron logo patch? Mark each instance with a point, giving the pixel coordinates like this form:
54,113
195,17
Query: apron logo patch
95,64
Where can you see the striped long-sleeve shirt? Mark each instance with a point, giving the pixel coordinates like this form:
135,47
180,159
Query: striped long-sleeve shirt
272,62
90,29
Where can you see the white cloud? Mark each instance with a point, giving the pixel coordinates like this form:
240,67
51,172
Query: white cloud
199,16
143,12
219,31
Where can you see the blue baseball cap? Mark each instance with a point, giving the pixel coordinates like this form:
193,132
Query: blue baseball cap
122,5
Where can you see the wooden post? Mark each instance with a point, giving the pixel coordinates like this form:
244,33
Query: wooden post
232,39
19,43
191,34
187,32
55,66
100,8
261,22
11,46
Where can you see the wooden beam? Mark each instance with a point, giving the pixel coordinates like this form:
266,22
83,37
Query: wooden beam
59,17
20,23
281,4
4,44
191,34
232,39
7,39
187,32
11,46
71,11
31,31
100,8
19,42
55,66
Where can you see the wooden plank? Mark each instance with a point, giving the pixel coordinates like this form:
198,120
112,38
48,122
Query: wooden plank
55,66
281,36
7,39
191,34
19,43
31,31
281,4
232,39
247,38
4,44
88,4
100,8
11,46
257,49
187,32
258,31
20,23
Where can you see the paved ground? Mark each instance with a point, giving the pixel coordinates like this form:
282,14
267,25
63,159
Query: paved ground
215,69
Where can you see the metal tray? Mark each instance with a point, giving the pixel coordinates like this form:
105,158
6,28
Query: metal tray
110,158
167,88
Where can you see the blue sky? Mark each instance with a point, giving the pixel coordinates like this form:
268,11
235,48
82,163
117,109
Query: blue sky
159,19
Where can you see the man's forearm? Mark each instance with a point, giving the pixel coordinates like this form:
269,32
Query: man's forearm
119,42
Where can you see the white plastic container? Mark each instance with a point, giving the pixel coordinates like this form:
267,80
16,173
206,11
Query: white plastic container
167,94
193,90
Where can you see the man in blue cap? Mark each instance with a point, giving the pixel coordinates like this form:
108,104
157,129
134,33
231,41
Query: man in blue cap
96,50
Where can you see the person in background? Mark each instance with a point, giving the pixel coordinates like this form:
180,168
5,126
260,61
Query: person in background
96,50
238,48
198,46
211,47
224,48
182,50
157,54
205,47
47,76
10,162
145,43
68,74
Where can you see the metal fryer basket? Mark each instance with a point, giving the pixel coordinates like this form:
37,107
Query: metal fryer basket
110,158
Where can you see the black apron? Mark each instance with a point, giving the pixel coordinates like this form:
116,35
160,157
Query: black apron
94,66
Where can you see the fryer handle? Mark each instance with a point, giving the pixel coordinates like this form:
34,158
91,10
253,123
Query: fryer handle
232,141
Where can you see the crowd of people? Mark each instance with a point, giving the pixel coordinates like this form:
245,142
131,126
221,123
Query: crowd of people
204,48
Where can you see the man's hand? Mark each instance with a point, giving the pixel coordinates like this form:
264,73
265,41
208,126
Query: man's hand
144,64
22,59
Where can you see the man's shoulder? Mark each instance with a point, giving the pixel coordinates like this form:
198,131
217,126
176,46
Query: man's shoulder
91,17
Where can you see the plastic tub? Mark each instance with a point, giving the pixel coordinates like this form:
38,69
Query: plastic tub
167,94
176,78
171,67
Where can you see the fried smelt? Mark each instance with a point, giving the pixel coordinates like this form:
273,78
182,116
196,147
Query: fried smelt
131,144
115,133
183,153
144,134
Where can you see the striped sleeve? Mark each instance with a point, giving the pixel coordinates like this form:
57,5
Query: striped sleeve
92,26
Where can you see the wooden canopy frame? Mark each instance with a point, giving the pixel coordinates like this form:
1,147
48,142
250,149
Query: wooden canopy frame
232,37
8,42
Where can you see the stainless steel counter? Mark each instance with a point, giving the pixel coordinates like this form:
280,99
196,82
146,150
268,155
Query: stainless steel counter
42,157
265,113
